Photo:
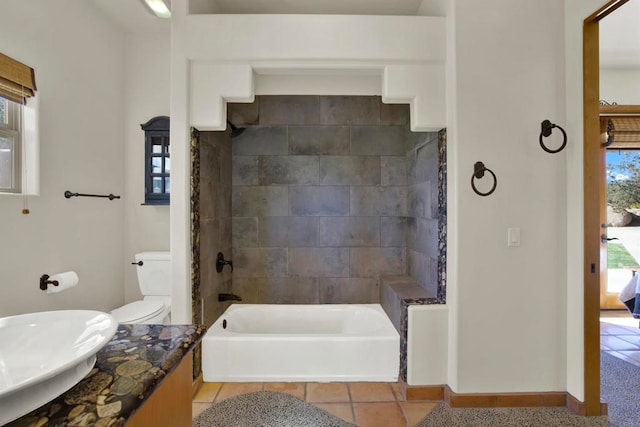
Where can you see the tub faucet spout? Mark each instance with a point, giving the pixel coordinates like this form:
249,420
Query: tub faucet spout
228,297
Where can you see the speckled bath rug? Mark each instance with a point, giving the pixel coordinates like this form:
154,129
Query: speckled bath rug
619,382
266,409
444,416
619,388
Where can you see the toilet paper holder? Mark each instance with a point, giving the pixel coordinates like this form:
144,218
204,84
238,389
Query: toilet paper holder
44,282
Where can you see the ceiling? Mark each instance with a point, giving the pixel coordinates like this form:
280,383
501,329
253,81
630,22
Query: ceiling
619,32
620,37
132,16
324,7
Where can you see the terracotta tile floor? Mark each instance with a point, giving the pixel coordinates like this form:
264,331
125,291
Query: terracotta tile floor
364,404
620,335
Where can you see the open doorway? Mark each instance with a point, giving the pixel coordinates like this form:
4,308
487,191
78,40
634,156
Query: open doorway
611,110
595,237
623,210
619,87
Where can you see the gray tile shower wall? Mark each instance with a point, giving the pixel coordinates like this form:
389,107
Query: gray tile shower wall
215,222
328,194
422,209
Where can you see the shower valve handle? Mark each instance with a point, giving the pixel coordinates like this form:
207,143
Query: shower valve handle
221,262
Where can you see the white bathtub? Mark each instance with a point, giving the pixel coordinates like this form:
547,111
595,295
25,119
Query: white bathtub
342,342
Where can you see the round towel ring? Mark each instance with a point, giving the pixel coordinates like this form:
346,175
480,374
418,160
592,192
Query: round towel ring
478,172
547,128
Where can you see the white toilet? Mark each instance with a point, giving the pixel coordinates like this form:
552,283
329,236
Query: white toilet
154,279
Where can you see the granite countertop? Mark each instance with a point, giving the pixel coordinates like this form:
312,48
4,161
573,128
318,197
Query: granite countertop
127,371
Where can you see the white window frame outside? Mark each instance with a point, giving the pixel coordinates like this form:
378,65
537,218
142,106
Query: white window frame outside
12,129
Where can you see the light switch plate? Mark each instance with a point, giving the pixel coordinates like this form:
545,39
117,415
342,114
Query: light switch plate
513,236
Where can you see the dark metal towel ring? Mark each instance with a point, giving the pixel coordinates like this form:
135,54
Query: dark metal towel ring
478,172
547,128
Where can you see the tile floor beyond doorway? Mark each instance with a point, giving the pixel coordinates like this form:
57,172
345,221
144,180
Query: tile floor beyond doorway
365,404
620,335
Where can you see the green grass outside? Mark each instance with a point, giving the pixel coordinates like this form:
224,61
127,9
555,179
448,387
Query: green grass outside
619,257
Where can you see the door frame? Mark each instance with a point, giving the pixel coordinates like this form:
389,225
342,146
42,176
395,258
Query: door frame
594,205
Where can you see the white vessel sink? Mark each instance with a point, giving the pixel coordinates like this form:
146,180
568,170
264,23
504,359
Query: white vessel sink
42,355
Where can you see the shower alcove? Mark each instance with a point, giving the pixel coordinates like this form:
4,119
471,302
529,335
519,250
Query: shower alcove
380,107
315,201
320,200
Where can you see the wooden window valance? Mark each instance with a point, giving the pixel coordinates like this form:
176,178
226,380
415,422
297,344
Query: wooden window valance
620,125
17,81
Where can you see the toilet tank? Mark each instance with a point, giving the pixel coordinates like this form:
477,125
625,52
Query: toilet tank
154,275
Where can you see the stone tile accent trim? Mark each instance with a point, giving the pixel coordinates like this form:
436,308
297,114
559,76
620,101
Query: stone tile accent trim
196,300
442,215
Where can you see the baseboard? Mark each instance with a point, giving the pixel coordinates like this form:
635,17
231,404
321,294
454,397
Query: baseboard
410,392
495,400
196,384
504,400
579,408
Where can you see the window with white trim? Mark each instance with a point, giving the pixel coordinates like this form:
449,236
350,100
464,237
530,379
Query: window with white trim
10,147
17,149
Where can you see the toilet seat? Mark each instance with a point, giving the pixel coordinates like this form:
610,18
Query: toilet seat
137,311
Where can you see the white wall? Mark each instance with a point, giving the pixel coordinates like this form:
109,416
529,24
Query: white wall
508,307
427,342
576,11
147,66
553,305
551,310
620,85
78,59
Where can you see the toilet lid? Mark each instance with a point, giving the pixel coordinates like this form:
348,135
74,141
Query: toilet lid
137,310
